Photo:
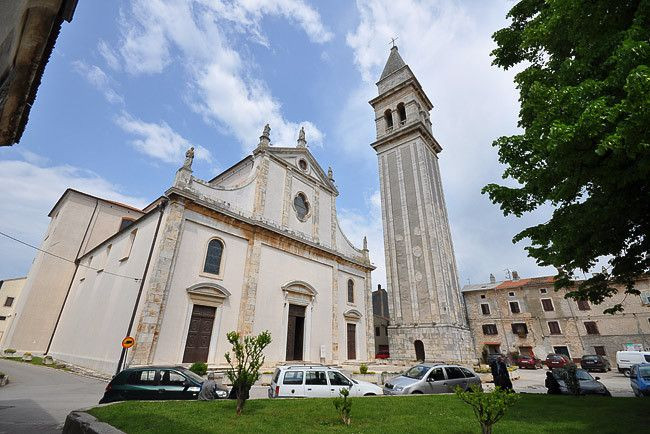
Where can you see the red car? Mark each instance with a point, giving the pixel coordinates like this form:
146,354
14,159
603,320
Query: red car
529,362
382,355
557,361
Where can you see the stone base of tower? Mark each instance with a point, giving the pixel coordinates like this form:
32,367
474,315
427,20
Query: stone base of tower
441,343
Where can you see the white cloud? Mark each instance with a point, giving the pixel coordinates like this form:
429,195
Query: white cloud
447,45
99,80
159,140
356,225
220,88
109,55
27,193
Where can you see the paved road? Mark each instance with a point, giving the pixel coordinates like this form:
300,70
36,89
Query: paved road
38,399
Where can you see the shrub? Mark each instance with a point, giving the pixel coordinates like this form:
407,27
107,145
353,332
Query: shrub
199,368
570,376
344,405
488,408
10,351
245,367
363,369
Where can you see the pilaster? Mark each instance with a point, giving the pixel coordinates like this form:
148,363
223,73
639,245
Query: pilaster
249,288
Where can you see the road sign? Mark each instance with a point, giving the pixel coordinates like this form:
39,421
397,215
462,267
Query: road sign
128,342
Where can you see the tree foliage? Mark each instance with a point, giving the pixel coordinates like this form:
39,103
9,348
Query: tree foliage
569,374
585,147
343,405
245,366
490,407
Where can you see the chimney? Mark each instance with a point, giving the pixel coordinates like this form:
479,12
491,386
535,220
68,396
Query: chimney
492,278
379,287
515,275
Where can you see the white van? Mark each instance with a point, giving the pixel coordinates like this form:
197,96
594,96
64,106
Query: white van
316,381
625,360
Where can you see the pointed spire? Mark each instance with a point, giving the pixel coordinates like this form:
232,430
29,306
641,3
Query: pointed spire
393,63
302,143
265,138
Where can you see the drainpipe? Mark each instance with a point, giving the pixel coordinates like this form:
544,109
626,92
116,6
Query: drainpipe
76,268
161,209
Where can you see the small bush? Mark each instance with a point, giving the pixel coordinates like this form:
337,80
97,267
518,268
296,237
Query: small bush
10,351
363,369
199,368
570,376
488,408
343,405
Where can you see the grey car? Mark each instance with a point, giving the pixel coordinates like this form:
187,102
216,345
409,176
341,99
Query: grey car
588,384
431,378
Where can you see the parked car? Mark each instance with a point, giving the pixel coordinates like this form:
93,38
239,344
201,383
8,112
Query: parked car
626,359
529,362
431,378
557,361
588,384
640,379
595,363
382,355
316,381
154,383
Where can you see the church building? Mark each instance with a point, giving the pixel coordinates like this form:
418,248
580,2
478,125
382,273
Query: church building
258,247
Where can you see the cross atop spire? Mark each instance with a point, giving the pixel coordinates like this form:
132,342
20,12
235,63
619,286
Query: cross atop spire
392,40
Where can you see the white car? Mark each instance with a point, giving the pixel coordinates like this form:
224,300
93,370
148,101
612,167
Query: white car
626,359
316,381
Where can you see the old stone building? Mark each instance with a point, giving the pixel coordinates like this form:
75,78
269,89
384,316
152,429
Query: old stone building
380,318
426,310
528,316
256,248
10,290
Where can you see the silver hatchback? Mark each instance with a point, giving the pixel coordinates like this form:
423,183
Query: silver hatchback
431,378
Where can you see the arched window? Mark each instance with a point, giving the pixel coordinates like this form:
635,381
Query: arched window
350,291
401,111
213,257
388,116
301,205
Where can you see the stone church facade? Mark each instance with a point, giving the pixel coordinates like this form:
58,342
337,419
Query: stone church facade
256,248
428,320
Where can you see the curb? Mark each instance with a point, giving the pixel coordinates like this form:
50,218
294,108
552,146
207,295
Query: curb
80,422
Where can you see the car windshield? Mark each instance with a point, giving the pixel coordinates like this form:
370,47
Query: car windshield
583,375
590,358
644,372
417,372
193,376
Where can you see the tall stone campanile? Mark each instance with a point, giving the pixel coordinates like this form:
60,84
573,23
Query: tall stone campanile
428,320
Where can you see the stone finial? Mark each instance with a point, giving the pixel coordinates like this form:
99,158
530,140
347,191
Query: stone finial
330,174
189,158
265,138
365,243
302,143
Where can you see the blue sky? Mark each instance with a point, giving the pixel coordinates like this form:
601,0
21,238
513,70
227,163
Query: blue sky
132,84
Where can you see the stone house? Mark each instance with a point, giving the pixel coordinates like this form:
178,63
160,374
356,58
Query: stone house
10,290
380,318
529,317
256,248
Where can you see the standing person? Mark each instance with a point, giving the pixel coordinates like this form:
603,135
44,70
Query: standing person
551,384
494,368
504,376
208,389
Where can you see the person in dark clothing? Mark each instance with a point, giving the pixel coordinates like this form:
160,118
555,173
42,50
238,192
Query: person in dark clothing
551,384
503,375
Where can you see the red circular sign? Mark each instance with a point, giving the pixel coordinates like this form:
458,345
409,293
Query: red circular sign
128,342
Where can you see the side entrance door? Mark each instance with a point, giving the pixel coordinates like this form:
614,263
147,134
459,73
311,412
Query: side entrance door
197,345
352,341
295,332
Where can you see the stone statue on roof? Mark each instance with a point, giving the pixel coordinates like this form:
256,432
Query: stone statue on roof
302,143
189,158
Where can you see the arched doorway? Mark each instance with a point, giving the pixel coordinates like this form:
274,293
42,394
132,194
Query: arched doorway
419,351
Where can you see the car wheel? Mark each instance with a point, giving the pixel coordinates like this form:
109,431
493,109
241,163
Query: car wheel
626,372
369,394
416,392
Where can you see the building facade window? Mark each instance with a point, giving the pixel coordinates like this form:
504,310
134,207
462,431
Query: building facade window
591,327
302,163
9,301
388,117
645,298
483,296
2,318
213,256
511,294
519,328
125,223
554,328
490,329
485,308
377,331
600,350
350,291
583,305
301,206
542,290
547,305
514,307
401,112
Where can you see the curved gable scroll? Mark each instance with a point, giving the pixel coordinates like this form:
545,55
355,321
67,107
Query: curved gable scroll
299,292
208,294
352,315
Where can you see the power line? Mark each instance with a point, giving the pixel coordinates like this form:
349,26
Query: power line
137,279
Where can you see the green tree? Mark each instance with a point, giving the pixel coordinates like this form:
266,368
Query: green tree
570,376
245,366
585,147
343,405
490,407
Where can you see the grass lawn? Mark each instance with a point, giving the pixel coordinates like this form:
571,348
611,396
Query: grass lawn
432,413
37,361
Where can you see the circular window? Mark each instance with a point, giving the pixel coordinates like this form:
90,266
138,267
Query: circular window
302,164
301,205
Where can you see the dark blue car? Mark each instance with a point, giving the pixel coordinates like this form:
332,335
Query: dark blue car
640,379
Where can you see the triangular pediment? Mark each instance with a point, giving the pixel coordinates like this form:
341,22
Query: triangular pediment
291,158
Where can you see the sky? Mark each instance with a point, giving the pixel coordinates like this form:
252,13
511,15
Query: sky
132,84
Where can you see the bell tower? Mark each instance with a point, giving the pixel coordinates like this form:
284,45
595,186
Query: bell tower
427,315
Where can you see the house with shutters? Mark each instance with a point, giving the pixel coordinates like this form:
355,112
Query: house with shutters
258,247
